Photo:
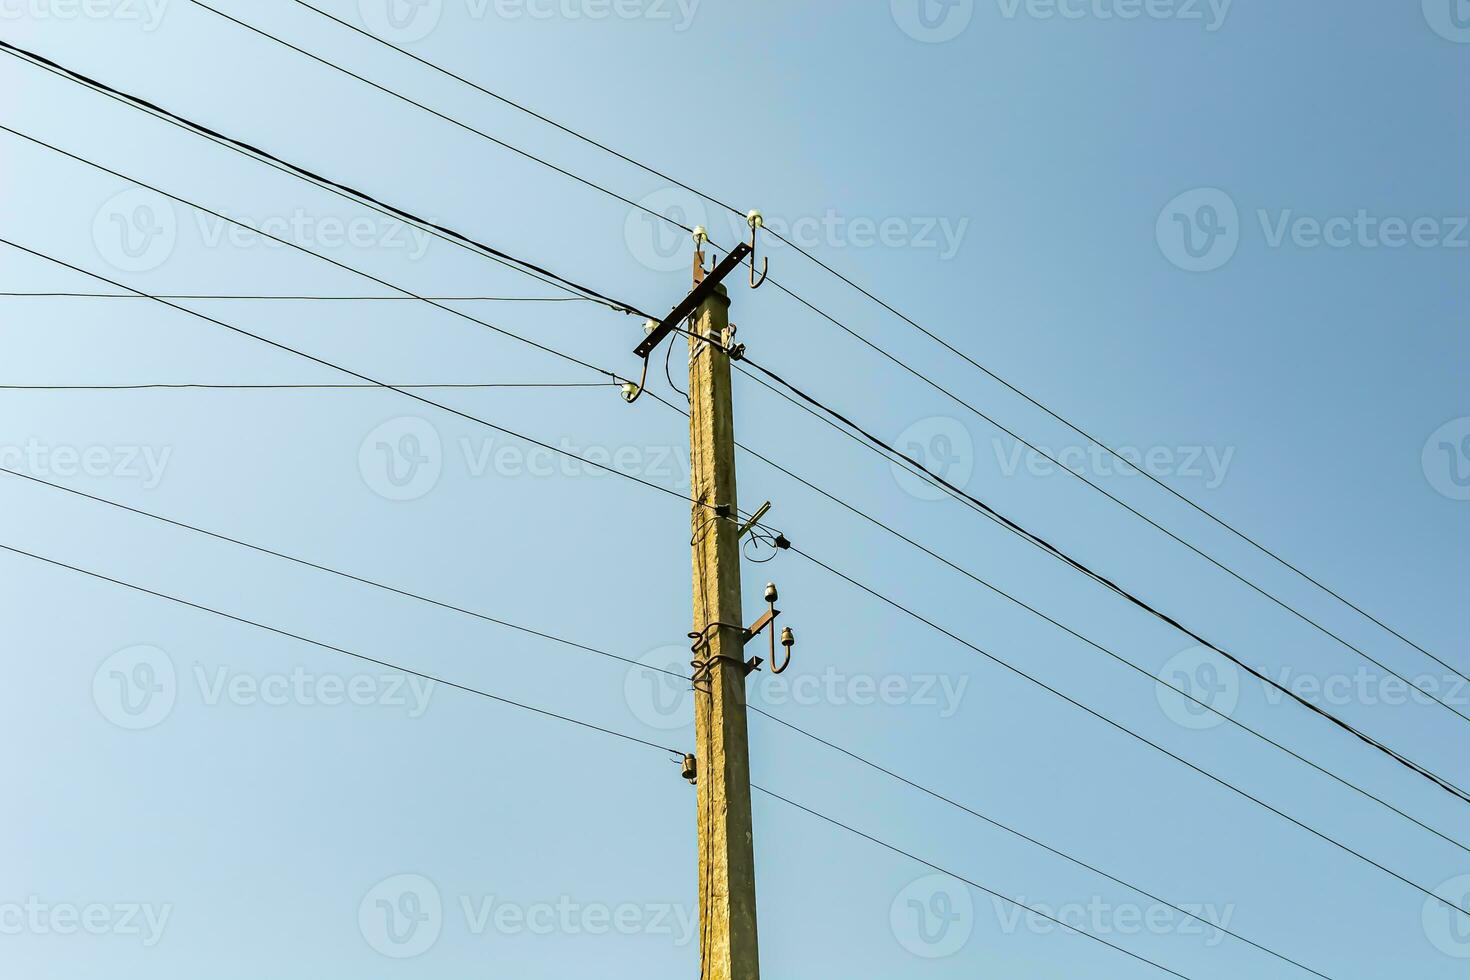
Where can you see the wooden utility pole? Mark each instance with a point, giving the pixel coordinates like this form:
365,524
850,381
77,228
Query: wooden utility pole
726,851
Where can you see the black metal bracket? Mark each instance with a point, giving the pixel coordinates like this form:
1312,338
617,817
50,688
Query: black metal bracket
690,303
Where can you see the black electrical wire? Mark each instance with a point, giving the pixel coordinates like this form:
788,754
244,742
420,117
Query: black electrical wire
521,108
812,257
298,387
935,338
334,299
894,603
431,111
348,371
326,183
1031,840
1090,642
317,566
1107,583
686,499
409,294
336,649
973,884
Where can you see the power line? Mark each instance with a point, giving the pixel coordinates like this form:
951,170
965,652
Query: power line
1107,583
300,248
1403,760
973,884
348,371
340,189
317,566
847,329
1151,522
523,108
299,387
895,604
1098,646
336,649
1031,840
431,111
926,332
333,299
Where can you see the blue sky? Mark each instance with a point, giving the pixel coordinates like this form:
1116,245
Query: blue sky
1227,237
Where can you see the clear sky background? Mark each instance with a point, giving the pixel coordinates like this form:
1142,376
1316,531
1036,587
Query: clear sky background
1131,218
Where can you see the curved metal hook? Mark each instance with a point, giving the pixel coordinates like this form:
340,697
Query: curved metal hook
756,222
632,392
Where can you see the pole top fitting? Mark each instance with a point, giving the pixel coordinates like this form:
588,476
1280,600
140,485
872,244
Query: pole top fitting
755,220
700,235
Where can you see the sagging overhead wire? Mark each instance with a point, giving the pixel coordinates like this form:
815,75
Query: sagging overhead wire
891,452
361,197
950,348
